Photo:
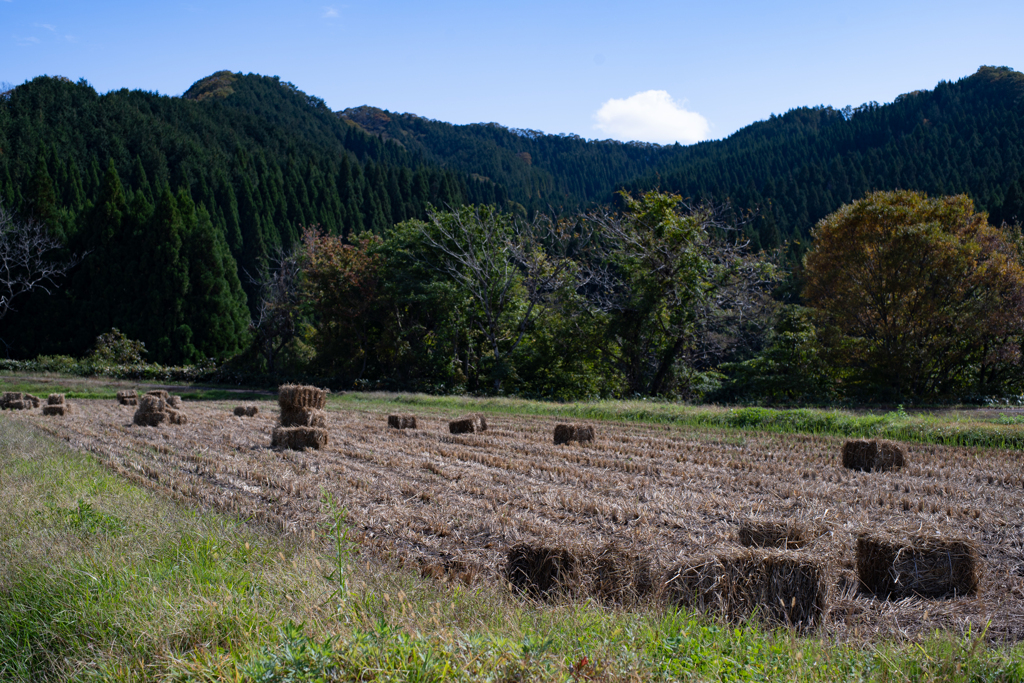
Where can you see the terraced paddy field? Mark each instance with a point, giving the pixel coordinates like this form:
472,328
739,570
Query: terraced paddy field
454,505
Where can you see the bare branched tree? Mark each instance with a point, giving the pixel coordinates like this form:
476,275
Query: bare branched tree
29,259
276,319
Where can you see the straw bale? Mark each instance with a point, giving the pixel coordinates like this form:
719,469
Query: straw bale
128,397
57,409
20,405
159,393
10,396
621,577
542,572
33,399
174,401
763,533
55,400
150,403
783,587
895,567
176,417
298,438
240,411
299,396
303,417
580,433
461,426
246,411
402,421
149,419
872,456
16,400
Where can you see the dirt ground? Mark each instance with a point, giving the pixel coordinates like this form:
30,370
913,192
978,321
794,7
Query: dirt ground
454,505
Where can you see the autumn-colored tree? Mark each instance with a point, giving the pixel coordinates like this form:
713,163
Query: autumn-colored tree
923,297
341,285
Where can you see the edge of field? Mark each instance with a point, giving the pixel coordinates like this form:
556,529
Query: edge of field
102,580
985,428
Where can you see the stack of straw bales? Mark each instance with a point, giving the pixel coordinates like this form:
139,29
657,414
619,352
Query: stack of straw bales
155,410
873,456
763,533
893,566
579,433
56,405
303,422
128,397
468,424
246,411
784,587
16,400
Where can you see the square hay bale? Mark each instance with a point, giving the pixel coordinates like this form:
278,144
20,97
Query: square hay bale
783,587
149,419
299,396
174,401
240,411
579,433
58,409
298,438
544,572
621,577
402,421
894,567
246,411
149,404
20,405
873,456
160,393
763,533
34,400
128,397
303,417
461,426
55,400
176,417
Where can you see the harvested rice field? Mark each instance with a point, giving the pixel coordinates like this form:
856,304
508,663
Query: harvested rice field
454,506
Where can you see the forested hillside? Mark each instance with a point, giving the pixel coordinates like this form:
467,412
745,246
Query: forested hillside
177,204
962,137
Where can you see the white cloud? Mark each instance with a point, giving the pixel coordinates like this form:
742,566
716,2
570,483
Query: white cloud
330,13
651,116
48,27
26,40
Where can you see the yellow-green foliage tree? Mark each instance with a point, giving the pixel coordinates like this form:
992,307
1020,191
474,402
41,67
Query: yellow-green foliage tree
921,297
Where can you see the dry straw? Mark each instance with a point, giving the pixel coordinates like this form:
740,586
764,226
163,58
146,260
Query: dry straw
128,397
154,410
873,456
468,424
160,393
782,587
894,567
579,433
55,400
246,411
56,405
298,438
544,572
16,400
402,421
763,533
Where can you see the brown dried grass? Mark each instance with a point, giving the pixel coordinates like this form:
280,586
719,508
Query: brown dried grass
463,425
764,533
55,400
567,433
299,396
437,500
57,409
299,438
128,397
303,417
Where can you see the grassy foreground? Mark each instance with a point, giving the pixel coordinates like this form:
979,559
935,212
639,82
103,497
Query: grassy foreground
100,580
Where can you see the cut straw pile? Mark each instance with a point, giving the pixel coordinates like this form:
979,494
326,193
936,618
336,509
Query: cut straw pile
154,410
246,411
303,423
128,397
468,424
579,433
402,421
16,400
56,405
612,574
873,456
782,587
894,567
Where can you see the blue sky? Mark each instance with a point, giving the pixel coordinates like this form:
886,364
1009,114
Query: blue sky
657,71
